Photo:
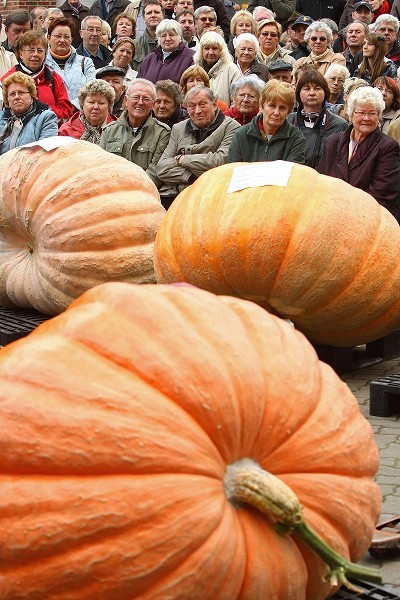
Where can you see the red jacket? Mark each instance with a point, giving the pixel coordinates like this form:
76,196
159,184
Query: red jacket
51,90
238,116
74,127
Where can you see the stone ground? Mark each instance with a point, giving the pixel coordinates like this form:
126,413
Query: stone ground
387,437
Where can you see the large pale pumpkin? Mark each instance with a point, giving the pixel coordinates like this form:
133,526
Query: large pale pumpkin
70,219
319,252
124,422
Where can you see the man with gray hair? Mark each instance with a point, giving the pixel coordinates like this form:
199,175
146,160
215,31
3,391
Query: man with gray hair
196,145
91,46
49,15
388,26
137,135
221,16
204,18
282,9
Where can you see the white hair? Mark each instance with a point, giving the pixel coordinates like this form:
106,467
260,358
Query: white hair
365,95
386,18
318,26
166,26
259,9
247,37
339,70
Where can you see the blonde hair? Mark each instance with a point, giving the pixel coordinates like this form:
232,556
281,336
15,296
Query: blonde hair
21,78
241,15
278,90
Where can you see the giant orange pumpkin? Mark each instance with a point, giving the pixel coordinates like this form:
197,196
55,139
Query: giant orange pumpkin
126,423
319,252
70,219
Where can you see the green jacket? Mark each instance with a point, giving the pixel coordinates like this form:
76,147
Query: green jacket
144,148
144,45
248,144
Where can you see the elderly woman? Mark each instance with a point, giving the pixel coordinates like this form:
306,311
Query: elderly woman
196,75
123,53
168,103
312,117
246,93
171,57
24,119
213,56
363,155
246,52
374,63
96,99
75,70
391,97
269,136
351,83
241,22
106,35
269,33
319,37
335,76
30,49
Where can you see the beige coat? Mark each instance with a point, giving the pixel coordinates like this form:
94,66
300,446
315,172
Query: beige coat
330,58
222,75
7,60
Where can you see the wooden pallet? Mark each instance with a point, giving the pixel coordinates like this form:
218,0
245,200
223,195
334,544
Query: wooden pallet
17,323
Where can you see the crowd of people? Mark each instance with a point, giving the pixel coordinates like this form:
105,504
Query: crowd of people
179,87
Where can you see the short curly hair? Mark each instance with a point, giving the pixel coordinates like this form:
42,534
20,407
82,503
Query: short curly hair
97,86
22,79
171,89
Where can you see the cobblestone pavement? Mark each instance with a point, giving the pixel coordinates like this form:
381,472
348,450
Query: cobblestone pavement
387,437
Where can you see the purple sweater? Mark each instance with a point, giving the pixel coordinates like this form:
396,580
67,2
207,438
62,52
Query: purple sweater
155,68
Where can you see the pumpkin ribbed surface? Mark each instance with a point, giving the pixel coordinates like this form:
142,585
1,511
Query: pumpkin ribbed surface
119,418
70,219
319,252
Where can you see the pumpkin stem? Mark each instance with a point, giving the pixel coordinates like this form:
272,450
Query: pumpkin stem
245,481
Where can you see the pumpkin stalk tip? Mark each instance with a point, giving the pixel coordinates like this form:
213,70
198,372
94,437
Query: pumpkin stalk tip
246,482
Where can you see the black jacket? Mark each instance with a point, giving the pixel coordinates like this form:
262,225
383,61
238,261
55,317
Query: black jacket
98,63
326,125
77,19
97,10
320,9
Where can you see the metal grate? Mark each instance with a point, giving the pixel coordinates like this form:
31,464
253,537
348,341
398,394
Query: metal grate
17,323
369,590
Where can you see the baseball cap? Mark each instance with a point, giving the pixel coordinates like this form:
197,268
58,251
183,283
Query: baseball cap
302,21
109,70
366,4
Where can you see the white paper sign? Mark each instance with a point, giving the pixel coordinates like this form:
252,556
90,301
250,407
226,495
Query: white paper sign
276,172
52,142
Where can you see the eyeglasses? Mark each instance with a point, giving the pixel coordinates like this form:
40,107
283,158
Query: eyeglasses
33,50
249,96
13,95
144,99
269,34
93,29
362,114
321,39
205,19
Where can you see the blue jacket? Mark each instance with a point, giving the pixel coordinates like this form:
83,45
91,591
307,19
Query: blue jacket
78,71
42,124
